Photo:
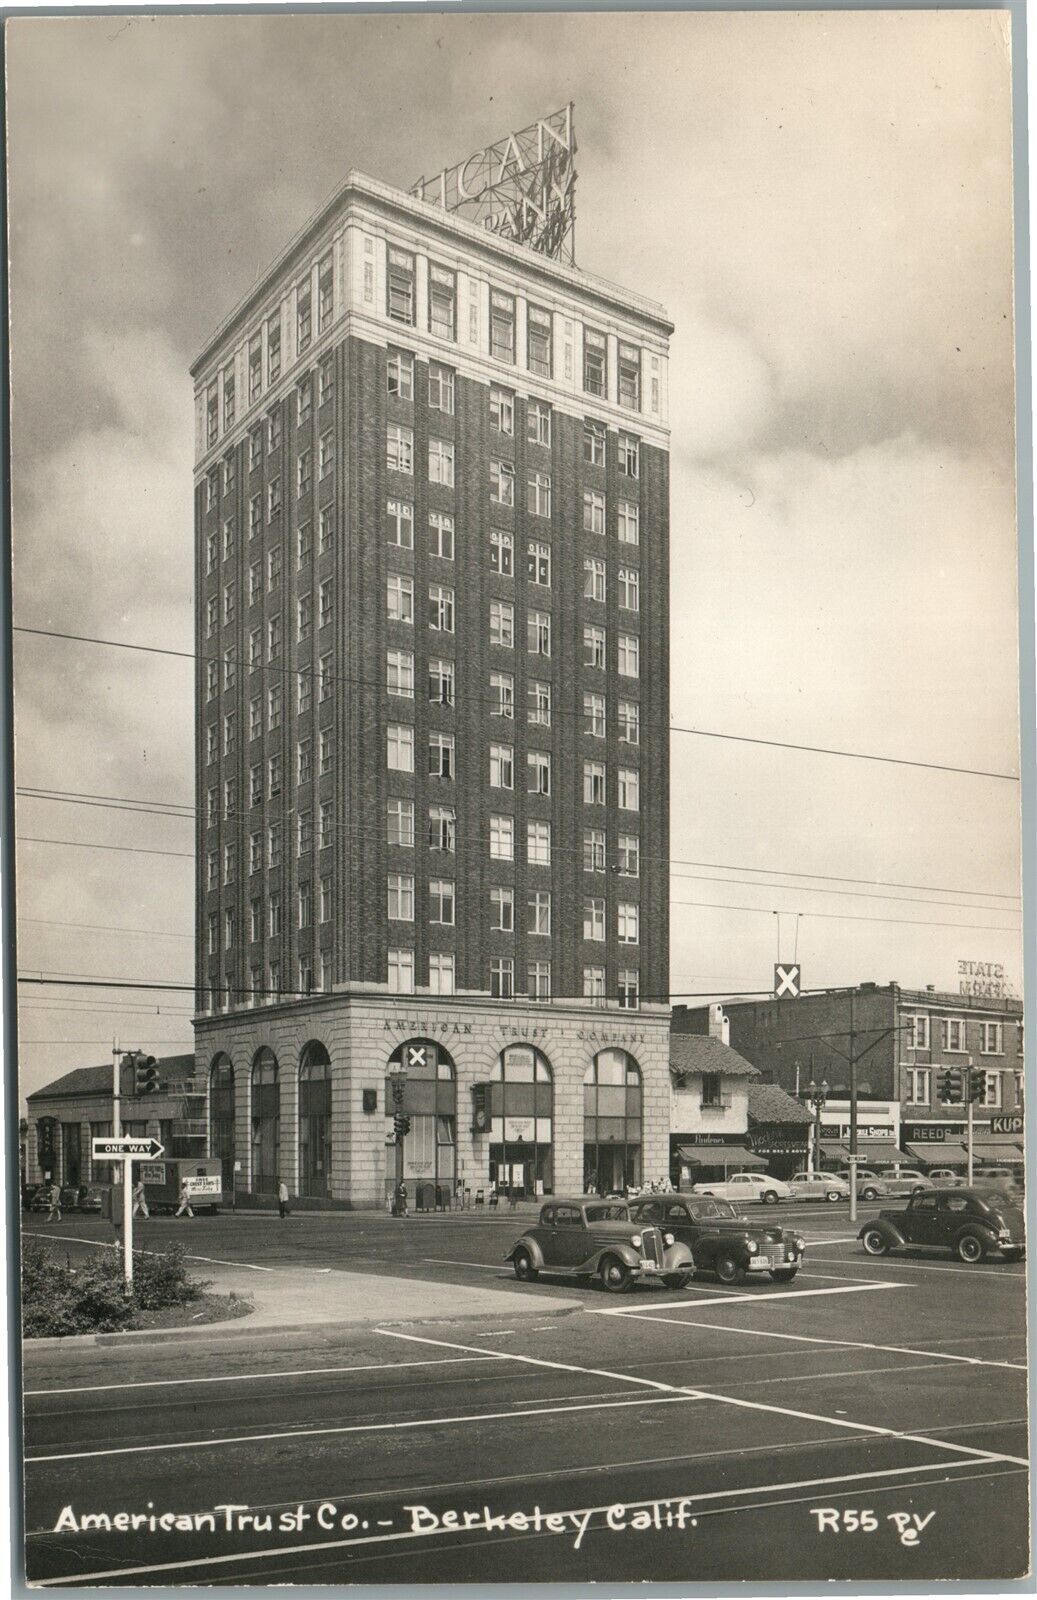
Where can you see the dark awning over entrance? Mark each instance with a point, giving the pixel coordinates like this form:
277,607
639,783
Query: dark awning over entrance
718,1155
936,1155
997,1148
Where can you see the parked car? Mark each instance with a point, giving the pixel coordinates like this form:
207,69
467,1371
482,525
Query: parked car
819,1186
887,1183
1010,1179
748,1187
592,1238
90,1198
41,1199
968,1221
945,1178
721,1240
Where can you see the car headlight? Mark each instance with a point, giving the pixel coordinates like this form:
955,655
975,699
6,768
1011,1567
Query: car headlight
753,1247
801,1244
668,1239
636,1241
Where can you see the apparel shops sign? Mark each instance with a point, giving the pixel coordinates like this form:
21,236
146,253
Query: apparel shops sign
521,188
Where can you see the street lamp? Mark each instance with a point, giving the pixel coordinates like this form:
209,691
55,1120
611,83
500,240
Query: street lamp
817,1094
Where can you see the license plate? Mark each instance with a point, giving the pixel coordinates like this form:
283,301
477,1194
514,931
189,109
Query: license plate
649,1266
756,1265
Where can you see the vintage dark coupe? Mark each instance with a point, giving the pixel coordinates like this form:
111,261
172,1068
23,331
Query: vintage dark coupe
722,1241
970,1222
592,1238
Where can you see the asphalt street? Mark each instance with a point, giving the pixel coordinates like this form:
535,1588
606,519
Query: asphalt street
867,1421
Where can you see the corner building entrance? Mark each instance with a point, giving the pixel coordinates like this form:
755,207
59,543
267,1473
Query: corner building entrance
430,1102
521,1107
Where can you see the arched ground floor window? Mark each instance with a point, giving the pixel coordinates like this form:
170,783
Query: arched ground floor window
266,1122
429,1102
315,1121
611,1123
521,1110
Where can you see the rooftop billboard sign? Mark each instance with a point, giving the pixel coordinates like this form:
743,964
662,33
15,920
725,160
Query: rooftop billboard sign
522,188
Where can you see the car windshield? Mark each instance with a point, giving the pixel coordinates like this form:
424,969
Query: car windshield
724,1208
607,1213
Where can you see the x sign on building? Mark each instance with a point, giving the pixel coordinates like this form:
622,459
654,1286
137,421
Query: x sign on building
416,1056
788,981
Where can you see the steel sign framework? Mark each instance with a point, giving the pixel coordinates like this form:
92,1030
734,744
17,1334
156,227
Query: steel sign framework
523,187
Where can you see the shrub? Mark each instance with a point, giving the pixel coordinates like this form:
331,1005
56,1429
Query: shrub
58,1299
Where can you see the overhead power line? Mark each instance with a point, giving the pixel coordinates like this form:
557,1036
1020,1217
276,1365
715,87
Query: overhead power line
186,813
848,916
87,844
379,684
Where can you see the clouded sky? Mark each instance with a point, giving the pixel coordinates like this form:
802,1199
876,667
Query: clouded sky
822,202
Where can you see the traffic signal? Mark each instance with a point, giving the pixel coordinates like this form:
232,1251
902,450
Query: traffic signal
480,1108
401,1125
397,1089
145,1072
951,1087
977,1084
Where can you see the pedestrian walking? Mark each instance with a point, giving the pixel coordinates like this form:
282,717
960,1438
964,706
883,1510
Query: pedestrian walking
54,1214
185,1200
140,1205
401,1200
282,1198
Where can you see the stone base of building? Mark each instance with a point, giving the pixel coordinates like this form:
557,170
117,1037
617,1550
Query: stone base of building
517,1098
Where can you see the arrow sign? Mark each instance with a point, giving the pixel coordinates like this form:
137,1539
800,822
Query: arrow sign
125,1145
787,981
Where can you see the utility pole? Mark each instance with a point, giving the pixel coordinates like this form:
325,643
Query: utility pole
123,1170
968,1123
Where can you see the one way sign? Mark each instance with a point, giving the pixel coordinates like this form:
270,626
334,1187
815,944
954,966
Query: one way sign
126,1145
788,981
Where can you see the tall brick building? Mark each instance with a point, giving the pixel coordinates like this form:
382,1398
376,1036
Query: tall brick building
431,546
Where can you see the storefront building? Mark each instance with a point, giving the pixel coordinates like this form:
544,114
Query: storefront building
709,1111
66,1115
526,1100
780,1128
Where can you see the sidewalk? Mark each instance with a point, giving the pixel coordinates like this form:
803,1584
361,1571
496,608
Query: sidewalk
295,1299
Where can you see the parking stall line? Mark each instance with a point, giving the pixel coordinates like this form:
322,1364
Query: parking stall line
254,1377
892,1262
698,1499
747,1298
751,1405
806,1338
676,1396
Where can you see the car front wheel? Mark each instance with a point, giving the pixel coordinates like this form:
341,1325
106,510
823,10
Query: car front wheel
525,1271
875,1242
869,1194
832,1195
971,1248
615,1275
728,1270
769,1197
783,1274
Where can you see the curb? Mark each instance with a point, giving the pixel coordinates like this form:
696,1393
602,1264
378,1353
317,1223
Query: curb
244,1327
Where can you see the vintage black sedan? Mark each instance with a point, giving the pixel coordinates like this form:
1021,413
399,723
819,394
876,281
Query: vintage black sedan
970,1222
721,1240
592,1238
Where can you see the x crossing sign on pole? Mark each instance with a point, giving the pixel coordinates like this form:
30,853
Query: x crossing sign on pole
788,981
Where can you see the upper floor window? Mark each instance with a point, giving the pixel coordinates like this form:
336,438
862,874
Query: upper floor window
502,483
952,1031
594,444
228,397
304,399
629,791
538,633
399,374
916,1032
255,368
440,388
399,449
325,291
440,608
538,494
594,363
629,522
502,623
441,535
538,423
593,511
629,376
401,523
538,341
629,455
501,552
399,286
502,410
538,563
502,327
629,589
304,314
991,1038
441,462
273,348
442,302
212,414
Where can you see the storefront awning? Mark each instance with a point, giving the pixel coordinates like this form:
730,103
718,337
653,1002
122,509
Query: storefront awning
718,1155
879,1152
936,1154
995,1148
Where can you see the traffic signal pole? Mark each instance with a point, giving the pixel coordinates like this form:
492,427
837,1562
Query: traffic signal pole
126,1174
853,1115
968,1124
